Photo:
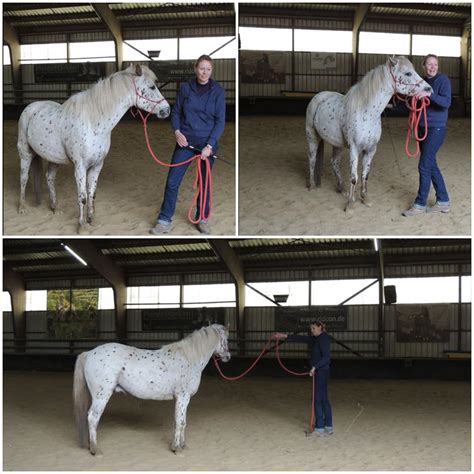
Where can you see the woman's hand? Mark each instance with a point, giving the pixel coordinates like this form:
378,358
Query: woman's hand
206,152
181,140
280,335
312,372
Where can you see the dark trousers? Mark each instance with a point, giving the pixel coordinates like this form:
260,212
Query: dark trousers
428,167
322,407
176,175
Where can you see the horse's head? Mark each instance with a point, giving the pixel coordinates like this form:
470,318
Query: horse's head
147,95
222,348
405,78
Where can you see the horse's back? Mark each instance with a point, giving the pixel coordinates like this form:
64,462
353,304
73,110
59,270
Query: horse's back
325,114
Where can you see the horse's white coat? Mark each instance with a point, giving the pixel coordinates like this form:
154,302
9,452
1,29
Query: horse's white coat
79,131
174,371
354,120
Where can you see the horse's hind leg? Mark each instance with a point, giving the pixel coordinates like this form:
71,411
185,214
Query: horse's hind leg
95,412
51,180
182,401
354,158
314,142
26,157
92,177
366,162
336,167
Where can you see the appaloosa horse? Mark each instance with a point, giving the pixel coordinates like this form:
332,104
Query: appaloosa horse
174,371
353,120
79,131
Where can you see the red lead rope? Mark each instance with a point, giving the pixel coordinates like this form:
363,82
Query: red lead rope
262,353
414,118
201,185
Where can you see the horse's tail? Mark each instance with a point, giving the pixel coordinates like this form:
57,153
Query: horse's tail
37,169
82,401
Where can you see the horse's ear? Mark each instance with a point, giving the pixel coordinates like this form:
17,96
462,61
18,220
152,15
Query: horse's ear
138,70
393,60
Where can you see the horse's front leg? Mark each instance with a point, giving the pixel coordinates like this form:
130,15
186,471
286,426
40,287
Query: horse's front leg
81,175
313,145
354,158
182,401
92,177
366,162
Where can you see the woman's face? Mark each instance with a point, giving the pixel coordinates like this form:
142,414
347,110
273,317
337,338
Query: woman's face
203,71
431,67
316,330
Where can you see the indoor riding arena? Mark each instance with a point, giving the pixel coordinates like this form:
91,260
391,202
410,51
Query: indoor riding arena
289,53
68,49
397,313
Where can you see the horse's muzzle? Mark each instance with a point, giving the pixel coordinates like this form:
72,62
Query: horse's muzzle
163,113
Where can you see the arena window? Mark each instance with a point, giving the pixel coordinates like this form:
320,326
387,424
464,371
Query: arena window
192,48
384,43
426,290
168,48
153,297
334,292
442,45
43,53
6,56
211,296
297,291
6,302
323,41
94,51
265,39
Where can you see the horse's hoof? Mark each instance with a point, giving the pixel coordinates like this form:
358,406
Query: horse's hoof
366,201
57,211
349,207
311,186
339,189
89,220
21,210
81,230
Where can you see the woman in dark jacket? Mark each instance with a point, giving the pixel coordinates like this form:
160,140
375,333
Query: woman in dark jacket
198,120
320,346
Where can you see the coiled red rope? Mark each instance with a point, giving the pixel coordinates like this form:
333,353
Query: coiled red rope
262,353
201,184
414,117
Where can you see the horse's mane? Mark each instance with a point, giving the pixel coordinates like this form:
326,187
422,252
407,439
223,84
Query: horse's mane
198,344
363,92
101,99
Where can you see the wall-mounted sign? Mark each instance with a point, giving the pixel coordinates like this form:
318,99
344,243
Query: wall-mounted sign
172,70
422,323
69,72
293,319
323,61
262,67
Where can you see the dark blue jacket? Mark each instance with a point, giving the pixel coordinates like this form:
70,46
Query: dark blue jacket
440,101
320,349
202,116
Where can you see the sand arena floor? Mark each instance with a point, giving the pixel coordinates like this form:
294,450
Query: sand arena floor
130,187
253,424
274,199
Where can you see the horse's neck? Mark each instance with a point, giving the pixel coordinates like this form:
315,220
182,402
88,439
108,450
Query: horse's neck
113,118
380,100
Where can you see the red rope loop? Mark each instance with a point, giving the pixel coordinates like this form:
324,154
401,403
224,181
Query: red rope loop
262,353
414,118
202,185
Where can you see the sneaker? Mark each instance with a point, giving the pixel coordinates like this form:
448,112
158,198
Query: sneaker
204,227
329,430
437,207
160,229
317,433
414,211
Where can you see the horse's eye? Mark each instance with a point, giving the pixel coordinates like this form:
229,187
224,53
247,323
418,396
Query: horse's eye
153,88
408,74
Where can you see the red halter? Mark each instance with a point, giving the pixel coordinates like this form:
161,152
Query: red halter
156,102
399,81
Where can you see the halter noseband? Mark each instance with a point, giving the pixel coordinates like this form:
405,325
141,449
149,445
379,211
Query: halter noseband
399,81
156,102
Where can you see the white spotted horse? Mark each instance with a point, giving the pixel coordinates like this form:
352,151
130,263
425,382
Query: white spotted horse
79,132
174,371
354,120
